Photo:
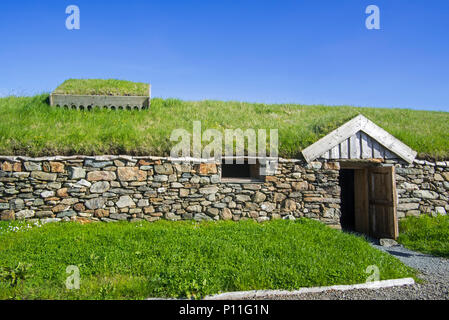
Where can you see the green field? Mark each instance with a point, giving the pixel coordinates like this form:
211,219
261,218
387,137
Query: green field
108,87
426,234
182,259
29,126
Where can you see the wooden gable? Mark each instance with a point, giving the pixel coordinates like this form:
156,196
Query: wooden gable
359,138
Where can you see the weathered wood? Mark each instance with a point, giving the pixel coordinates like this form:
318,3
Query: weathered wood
354,147
366,150
334,138
377,150
361,146
382,202
365,140
390,142
344,149
361,200
359,163
334,152
389,155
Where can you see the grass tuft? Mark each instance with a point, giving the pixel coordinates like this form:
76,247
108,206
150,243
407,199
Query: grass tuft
426,234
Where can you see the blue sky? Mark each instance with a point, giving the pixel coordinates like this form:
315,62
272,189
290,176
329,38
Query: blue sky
311,52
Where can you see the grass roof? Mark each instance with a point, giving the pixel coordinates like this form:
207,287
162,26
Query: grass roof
28,126
108,87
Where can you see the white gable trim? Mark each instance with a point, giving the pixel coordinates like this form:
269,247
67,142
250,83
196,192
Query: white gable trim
350,128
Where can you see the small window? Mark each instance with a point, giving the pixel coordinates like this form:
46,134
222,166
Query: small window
244,172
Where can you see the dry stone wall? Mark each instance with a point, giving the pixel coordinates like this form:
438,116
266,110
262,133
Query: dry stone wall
135,188
423,188
112,188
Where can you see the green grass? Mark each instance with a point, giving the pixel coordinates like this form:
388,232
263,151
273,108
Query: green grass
185,259
426,234
108,87
28,126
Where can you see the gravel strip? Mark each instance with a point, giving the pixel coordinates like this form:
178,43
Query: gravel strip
433,270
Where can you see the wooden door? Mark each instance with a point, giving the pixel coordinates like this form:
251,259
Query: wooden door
382,202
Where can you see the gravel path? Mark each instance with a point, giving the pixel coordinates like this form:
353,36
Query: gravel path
433,270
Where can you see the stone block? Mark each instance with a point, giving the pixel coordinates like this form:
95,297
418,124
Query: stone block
226,214
206,168
76,173
100,187
131,174
125,201
289,205
40,175
242,198
425,194
95,203
62,193
97,164
279,197
208,190
299,186
32,166
57,167
259,197
165,168
25,214
101,176
7,215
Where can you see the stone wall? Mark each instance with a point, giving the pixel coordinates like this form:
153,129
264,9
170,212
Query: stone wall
131,188
423,188
112,188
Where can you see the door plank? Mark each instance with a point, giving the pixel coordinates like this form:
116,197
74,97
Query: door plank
361,205
382,202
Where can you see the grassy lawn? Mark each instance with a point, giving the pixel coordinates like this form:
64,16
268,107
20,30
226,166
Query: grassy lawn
185,259
426,234
28,126
108,87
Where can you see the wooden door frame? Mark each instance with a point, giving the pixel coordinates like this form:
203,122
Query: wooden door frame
361,194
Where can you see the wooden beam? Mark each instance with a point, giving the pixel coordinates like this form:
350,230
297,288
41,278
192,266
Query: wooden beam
389,142
334,138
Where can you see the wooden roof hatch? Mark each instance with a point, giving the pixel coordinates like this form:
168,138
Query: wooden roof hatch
359,138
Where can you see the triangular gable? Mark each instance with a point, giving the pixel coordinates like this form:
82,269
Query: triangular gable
359,138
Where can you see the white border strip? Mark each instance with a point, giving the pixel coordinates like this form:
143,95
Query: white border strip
131,158
282,293
149,157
